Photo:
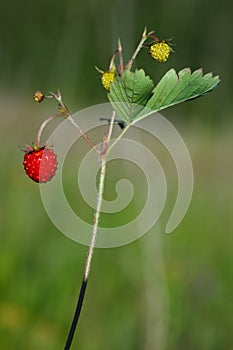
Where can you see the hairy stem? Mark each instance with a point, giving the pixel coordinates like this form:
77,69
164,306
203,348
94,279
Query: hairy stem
43,125
96,219
139,47
77,127
121,66
90,253
64,113
118,138
87,267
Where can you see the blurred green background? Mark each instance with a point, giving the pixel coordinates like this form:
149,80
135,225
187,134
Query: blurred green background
161,292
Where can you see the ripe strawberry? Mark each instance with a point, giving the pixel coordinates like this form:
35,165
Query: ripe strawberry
40,163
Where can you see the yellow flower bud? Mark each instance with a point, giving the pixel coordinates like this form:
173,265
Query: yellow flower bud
108,77
160,51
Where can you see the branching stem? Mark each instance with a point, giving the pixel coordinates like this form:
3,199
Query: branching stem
43,125
77,127
118,138
139,47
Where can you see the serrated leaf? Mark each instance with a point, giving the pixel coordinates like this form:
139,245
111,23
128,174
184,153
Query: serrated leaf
132,90
175,88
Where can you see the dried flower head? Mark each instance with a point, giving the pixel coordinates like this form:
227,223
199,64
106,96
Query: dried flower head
38,96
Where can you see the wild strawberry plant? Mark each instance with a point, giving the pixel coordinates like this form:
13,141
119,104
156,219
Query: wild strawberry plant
133,96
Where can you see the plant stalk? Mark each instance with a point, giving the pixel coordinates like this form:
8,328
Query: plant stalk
86,138
43,125
87,267
139,47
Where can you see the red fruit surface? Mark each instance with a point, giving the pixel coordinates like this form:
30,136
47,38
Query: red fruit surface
40,164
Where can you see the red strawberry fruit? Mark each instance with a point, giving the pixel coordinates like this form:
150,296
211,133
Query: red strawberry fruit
40,163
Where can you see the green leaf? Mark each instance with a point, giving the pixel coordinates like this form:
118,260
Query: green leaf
132,90
175,88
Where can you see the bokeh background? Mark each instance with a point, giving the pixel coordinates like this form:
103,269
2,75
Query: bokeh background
161,292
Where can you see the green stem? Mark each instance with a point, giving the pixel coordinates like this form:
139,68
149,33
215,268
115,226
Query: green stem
99,202
91,248
96,219
118,138
43,125
139,47
90,253
121,66
86,138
